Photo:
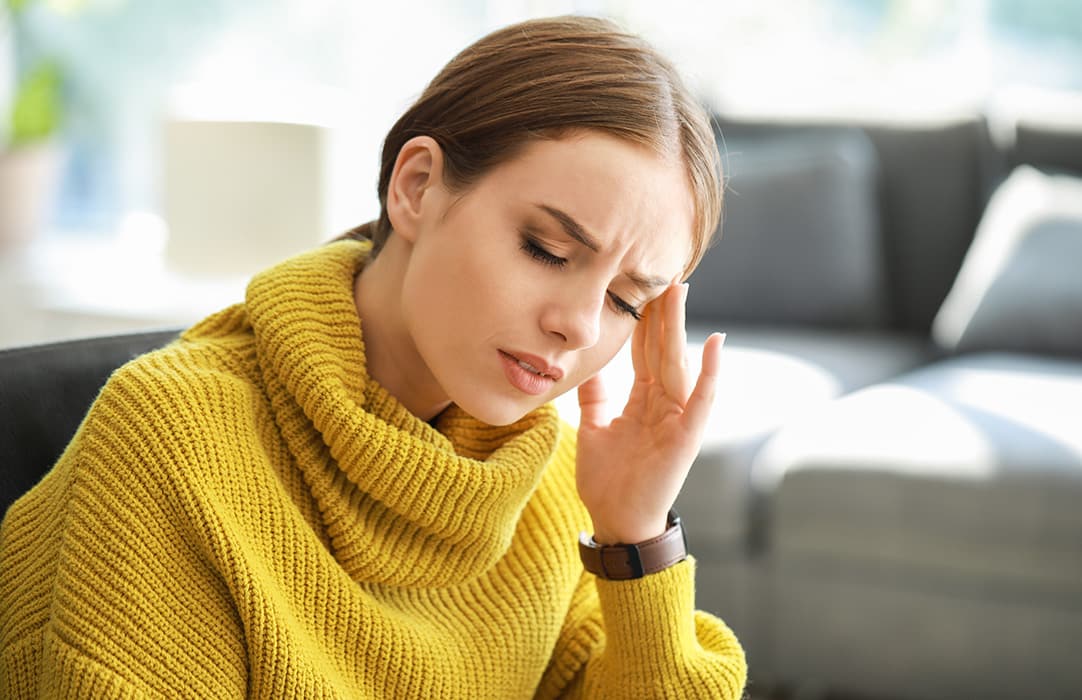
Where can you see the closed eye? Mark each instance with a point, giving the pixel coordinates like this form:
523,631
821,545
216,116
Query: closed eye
538,253
624,307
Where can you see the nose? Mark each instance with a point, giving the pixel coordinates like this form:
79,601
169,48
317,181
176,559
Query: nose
574,318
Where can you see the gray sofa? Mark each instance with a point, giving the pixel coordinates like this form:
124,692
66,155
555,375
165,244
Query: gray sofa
890,501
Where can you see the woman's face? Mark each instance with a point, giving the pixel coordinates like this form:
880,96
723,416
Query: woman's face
527,284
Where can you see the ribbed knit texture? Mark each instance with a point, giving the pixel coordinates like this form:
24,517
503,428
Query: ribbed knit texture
245,513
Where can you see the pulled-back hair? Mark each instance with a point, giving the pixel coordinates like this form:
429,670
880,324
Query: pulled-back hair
546,78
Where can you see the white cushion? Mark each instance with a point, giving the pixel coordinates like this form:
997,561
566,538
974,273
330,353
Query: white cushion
1020,285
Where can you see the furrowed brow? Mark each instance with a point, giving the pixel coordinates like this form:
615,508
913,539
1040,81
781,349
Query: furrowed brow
575,230
571,227
647,282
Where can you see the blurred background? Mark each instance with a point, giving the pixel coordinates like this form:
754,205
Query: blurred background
111,219
886,502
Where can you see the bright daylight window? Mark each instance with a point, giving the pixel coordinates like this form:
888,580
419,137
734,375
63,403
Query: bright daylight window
114,64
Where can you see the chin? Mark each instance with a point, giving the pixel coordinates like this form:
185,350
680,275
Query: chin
493,415
501,411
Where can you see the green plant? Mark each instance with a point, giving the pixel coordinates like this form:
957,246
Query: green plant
35,112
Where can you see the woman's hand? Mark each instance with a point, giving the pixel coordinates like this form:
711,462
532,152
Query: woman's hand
630,471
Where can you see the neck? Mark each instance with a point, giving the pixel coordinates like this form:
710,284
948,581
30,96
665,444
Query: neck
390,354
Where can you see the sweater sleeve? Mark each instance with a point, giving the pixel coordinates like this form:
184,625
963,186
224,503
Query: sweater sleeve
107,586
643,639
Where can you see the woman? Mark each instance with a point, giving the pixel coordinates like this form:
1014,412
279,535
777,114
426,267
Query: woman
353,483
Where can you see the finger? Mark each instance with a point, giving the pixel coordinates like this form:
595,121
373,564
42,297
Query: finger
638,349
674,371
654,322
697,410
592,401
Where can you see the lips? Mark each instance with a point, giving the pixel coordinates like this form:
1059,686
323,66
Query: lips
528,373
536,365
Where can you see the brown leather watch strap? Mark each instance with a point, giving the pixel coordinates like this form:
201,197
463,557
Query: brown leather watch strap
620,562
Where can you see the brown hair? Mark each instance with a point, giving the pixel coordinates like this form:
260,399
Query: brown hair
542,79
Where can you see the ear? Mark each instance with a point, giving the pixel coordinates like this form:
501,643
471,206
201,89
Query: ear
415,185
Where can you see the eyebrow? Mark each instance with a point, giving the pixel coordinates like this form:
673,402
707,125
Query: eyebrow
575,230
571,227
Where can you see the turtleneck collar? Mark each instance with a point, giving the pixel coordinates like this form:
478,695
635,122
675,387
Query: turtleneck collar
403,502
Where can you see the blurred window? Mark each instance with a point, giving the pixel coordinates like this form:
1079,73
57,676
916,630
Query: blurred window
121,58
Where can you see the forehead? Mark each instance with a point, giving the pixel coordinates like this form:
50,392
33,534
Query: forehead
624,194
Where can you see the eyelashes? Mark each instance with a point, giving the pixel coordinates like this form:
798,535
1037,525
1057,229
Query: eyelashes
625,307
541,255
538,253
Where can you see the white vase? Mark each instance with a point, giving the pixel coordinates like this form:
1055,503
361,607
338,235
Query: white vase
242,195
29,177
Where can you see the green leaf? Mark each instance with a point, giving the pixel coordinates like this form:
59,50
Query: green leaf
36,113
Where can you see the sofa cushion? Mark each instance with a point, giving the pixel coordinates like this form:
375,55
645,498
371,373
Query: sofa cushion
800,238
922,244
964,475
934,182
1043,127
860,632
1019,287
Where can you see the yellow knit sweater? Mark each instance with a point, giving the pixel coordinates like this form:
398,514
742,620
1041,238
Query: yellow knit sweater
244,513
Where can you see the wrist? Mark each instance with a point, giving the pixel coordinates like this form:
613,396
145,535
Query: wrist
629,561
633,533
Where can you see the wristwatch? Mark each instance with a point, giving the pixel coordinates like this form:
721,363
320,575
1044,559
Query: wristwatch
620,562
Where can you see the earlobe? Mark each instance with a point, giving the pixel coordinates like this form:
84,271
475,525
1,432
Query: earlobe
417,170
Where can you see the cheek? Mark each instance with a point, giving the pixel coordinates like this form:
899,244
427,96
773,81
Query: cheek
470,292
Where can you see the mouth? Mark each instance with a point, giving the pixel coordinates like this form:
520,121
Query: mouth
529,374
535,365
